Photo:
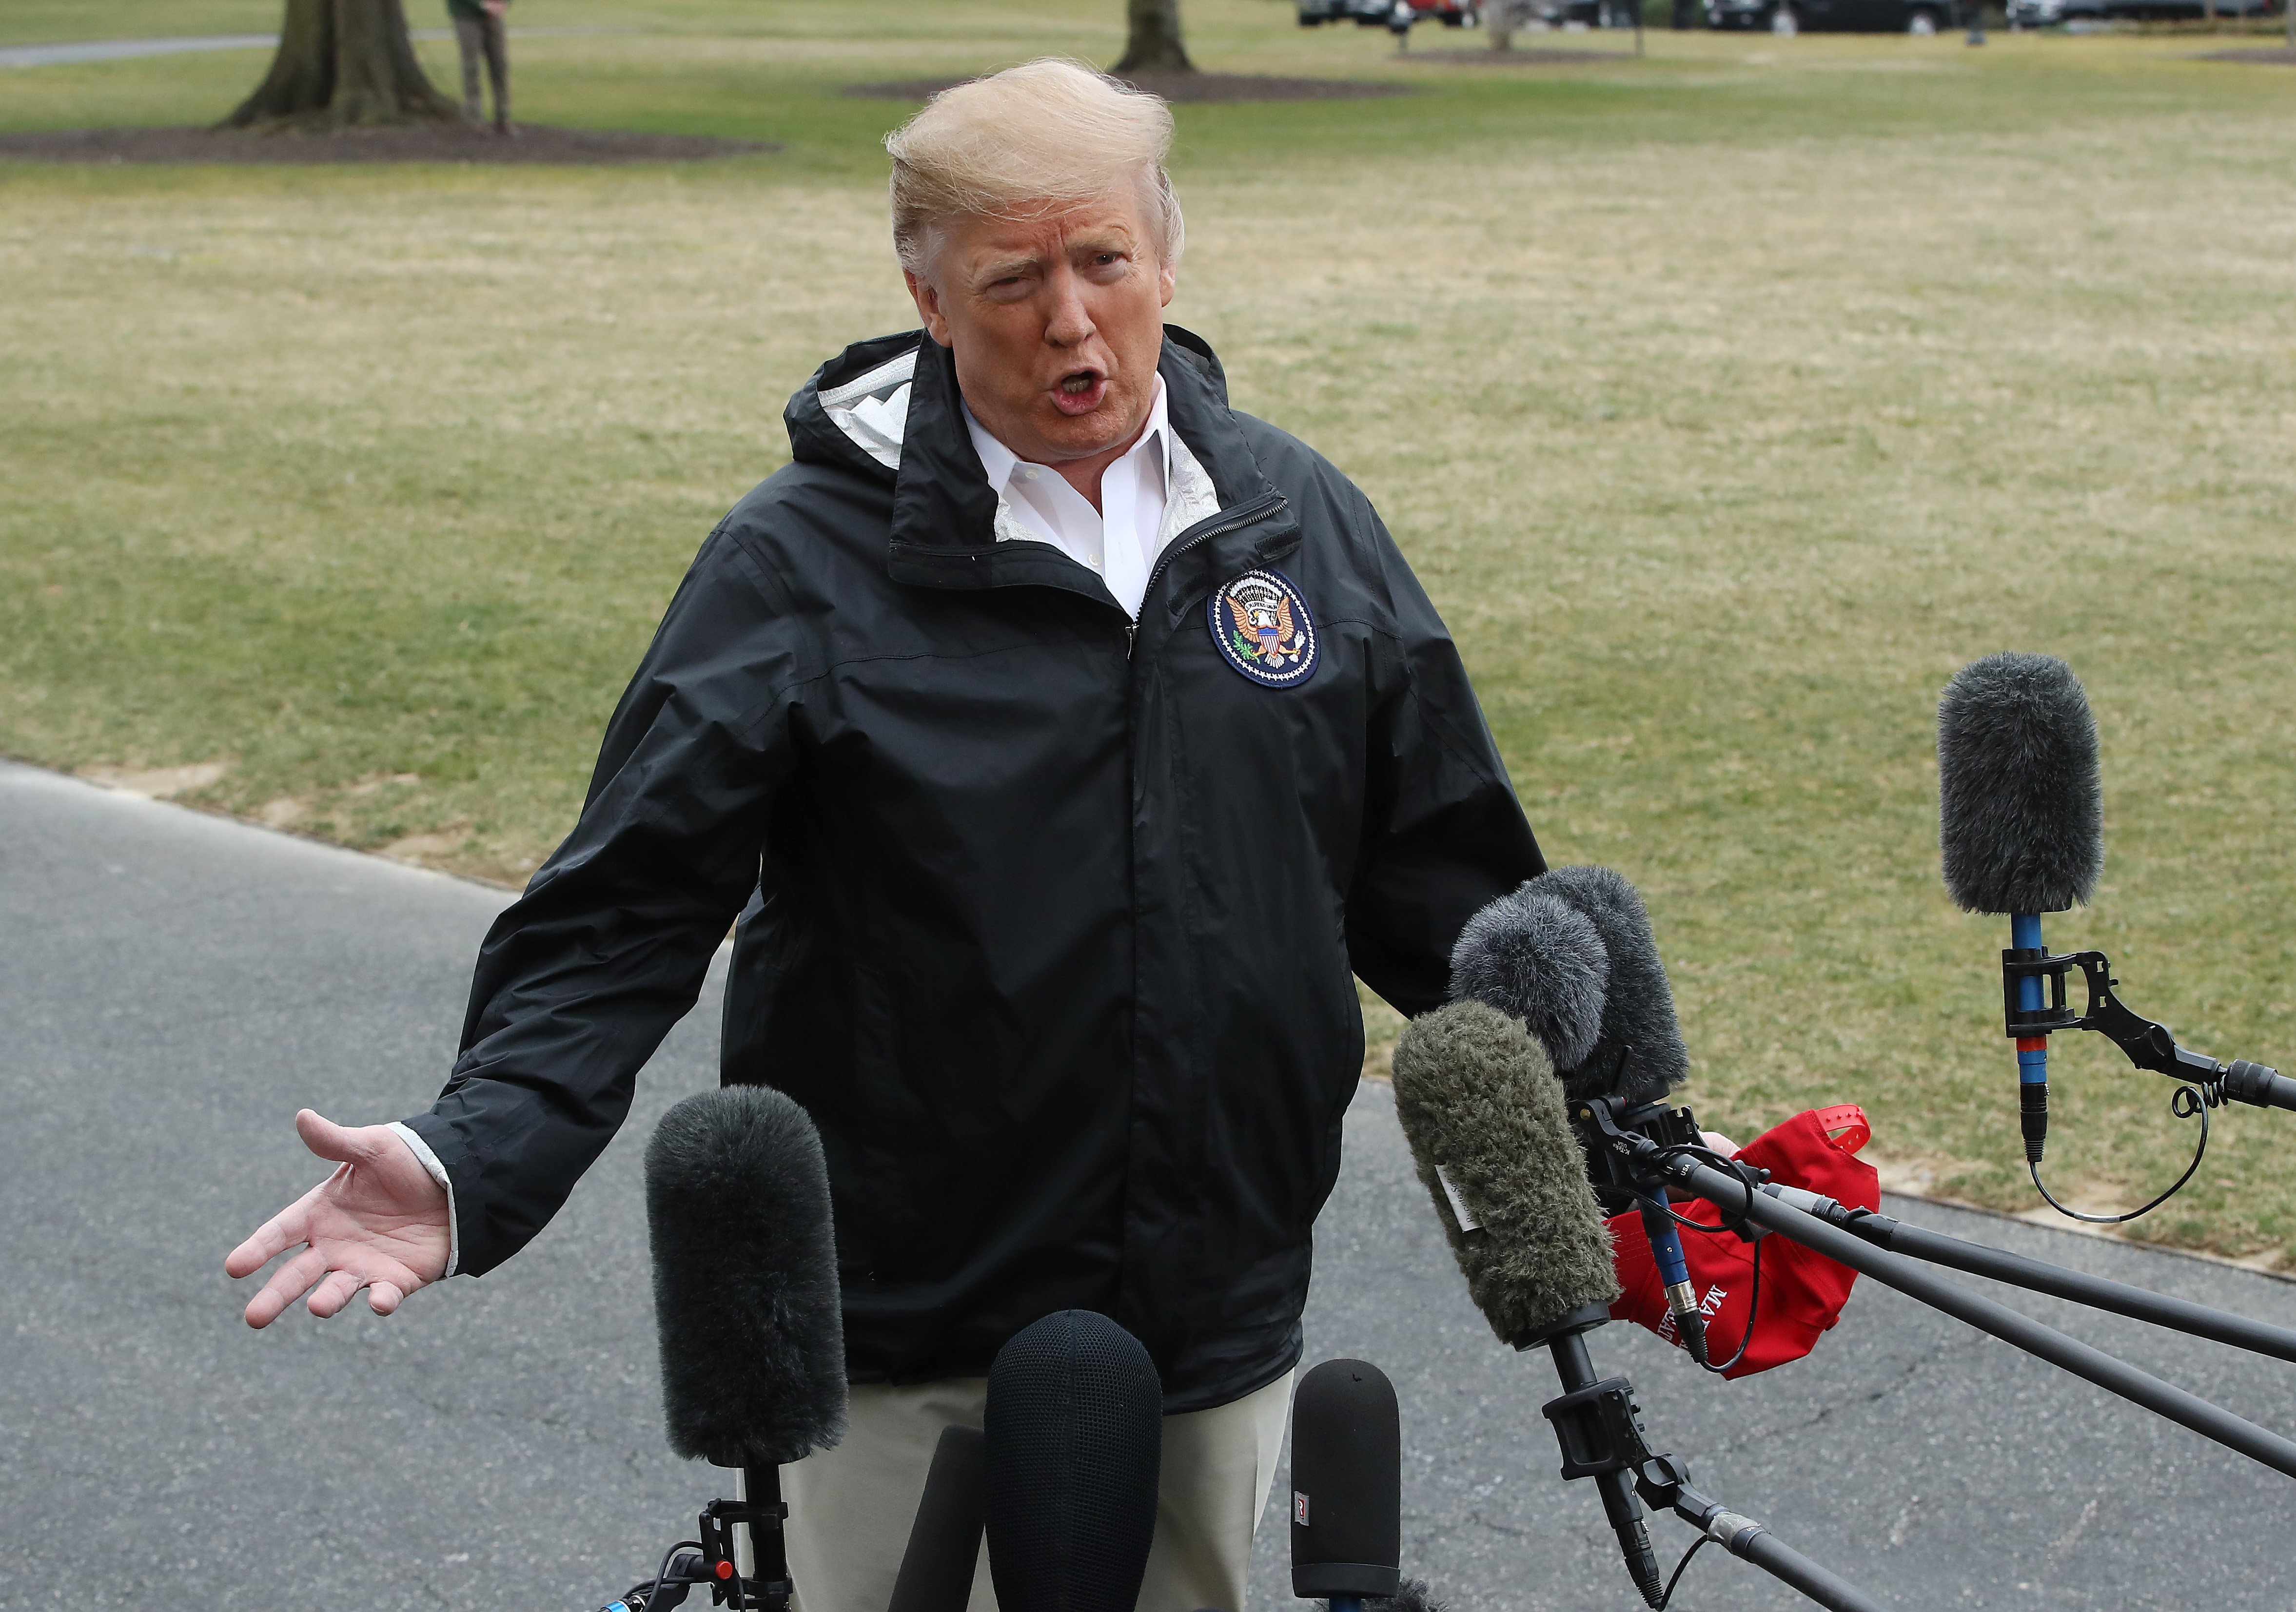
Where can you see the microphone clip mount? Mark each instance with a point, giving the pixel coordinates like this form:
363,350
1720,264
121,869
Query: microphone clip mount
1599,1428
721,1567
2148,1045
1616,1133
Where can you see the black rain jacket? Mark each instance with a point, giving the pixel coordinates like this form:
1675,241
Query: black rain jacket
1047,921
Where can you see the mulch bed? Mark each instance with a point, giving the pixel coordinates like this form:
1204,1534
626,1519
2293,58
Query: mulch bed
2278,54
1177,87
536,142
1517,57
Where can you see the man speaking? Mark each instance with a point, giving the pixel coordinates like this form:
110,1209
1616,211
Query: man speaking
1062,740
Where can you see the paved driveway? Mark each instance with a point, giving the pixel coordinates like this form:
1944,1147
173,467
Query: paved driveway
173,986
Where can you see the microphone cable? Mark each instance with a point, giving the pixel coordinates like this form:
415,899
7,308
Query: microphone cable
662,1572
2183,1102
645,1597
1754,1286
1667,1595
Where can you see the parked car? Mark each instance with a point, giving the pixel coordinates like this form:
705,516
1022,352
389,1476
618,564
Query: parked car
2052,14
1389,13
1790,17
1563,14
1366,13
2049,13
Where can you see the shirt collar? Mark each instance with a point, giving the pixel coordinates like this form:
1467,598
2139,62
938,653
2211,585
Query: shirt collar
1000,461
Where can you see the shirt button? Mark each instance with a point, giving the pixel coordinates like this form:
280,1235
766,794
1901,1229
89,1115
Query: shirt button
1032,475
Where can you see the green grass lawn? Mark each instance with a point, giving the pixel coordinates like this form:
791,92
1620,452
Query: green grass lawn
1727,401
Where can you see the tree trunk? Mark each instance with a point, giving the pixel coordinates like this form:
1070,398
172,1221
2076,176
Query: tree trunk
344,64
1499,20
1154,44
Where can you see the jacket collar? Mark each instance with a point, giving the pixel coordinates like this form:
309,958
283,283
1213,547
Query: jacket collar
944,510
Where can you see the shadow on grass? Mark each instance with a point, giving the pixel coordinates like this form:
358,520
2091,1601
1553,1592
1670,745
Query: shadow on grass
533,142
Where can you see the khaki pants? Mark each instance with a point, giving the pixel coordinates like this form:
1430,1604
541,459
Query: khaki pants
484,39
851,1508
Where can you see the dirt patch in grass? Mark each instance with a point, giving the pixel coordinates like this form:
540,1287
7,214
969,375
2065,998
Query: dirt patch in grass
535,143
1177,87
2278,56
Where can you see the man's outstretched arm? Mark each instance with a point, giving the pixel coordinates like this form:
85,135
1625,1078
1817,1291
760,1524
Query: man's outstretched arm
380,1223
579,978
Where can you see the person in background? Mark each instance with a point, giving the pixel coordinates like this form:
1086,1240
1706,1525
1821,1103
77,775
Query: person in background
479,31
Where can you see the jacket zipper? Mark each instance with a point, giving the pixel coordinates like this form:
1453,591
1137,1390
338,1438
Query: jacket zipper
1240,516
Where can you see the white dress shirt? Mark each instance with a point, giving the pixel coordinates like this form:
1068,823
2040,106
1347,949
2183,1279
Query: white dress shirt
1121,539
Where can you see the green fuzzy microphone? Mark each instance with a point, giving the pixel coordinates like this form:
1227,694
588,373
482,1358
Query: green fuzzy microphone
1483,1112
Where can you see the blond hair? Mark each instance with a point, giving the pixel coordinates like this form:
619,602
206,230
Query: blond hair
1034,139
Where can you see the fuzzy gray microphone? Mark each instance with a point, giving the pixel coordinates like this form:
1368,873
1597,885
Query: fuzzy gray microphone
2020,814
745,1280
1571,954
1534,956
1484,1115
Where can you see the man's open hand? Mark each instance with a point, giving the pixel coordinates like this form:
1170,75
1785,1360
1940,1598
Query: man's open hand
377,1223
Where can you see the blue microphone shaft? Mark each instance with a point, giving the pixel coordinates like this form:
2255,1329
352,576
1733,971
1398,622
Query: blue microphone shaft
2032,1051
1674,1271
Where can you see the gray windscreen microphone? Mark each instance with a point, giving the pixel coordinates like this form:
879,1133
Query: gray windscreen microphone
1484,1115
1571,954
2020,805
2020,822
746,1299
745,1280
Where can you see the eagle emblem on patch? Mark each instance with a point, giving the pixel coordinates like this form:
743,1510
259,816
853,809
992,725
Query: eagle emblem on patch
1263,629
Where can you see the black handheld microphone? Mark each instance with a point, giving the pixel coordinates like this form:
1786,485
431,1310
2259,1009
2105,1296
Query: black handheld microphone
2020,827
1571,954
945,1540
1483,1113
1074,1445
746,1300
1347,1485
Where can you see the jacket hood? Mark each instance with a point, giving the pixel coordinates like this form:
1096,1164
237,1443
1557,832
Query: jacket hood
850,414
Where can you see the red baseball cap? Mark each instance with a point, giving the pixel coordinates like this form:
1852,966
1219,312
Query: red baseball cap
1801,1292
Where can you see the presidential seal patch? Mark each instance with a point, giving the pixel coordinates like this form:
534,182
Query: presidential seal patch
1263,629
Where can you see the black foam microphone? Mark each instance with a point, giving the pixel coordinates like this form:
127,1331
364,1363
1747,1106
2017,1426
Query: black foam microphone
1074,1444
1347,1484
1571,954
746,1300
1484,1115
945,1539
2020,824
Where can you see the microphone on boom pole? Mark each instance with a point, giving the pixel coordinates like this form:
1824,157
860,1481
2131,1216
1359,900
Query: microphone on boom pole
1571,953
2021,833
2020,827
1484,1115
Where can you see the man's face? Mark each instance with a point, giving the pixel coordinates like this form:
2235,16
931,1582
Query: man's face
1056,323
